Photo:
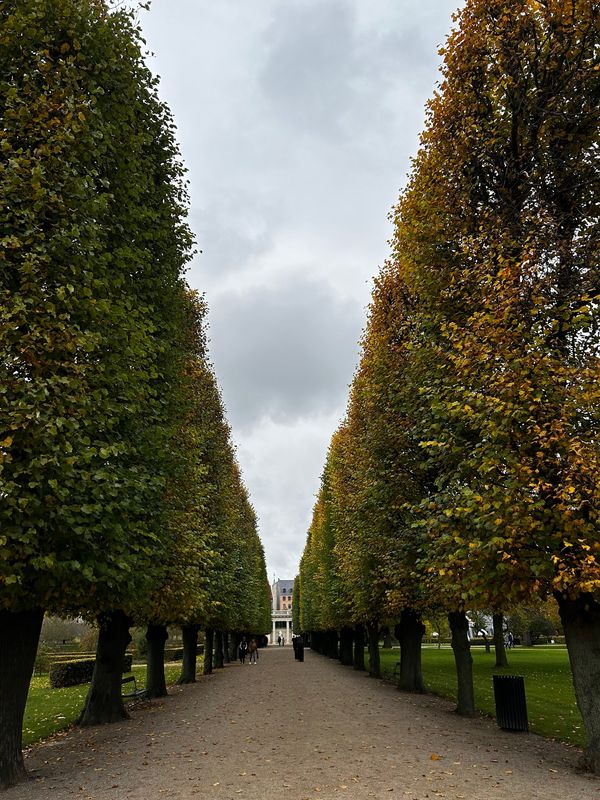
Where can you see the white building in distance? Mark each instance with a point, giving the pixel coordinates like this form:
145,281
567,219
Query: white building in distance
281,611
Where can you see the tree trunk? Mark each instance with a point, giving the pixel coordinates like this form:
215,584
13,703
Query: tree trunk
374,662
359,648
219,650
19,637
459,625
527,638
387,638
581,623
209,636
346,636
332,644
234,640
323,642
410,633
315,641
501,659
226,658
190,653
103,702
156,636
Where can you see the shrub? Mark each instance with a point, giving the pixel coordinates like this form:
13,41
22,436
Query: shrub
177,654
71,673
43,660
74,673
89,639
140,643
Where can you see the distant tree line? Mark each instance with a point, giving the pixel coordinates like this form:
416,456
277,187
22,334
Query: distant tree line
120,496
466,474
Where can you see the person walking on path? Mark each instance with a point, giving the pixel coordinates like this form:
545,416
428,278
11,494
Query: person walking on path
242,650
253,650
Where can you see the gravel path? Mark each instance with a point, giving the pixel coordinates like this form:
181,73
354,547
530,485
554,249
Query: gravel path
289,730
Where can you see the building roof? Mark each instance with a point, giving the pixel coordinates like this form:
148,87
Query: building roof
280,585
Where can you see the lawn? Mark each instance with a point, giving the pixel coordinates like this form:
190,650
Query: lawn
549,691
51,710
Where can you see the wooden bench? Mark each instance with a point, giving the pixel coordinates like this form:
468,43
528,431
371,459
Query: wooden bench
135,692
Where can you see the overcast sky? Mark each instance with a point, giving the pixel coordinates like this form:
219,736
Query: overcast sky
297,120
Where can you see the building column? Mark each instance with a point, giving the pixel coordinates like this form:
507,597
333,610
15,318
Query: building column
273,637
287,631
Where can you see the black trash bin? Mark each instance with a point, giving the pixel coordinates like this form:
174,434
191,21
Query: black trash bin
511,708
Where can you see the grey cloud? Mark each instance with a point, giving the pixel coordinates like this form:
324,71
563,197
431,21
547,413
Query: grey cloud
327,75
297,120
282,463
399,56
284,351
310,63
231,235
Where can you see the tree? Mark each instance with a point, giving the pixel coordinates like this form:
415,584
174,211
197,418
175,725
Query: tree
396,477
94,243
238,593
497,234
531,621
296,625
180,593
362,547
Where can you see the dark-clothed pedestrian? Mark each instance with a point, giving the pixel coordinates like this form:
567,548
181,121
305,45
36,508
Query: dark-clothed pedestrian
242,650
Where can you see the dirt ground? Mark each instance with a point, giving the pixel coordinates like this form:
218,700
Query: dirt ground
290,730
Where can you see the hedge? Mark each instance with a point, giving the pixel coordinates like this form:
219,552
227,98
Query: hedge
177,655
74,673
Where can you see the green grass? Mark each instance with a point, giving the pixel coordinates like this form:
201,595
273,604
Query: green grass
551,705
51,710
